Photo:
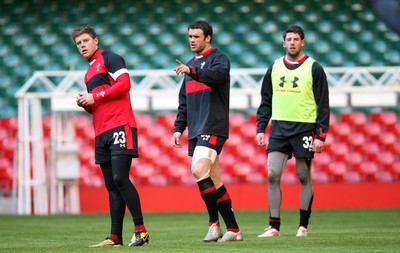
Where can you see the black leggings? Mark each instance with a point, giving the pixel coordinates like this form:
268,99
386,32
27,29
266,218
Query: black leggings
121,192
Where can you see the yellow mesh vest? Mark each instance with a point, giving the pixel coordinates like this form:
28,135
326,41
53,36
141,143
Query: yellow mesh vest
293,97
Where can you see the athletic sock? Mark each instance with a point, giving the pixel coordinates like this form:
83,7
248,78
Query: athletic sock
140,227
275,222
209,196
115,238
225,208
304,217
216,222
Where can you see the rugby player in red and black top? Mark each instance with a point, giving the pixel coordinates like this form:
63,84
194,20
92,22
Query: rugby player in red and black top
295,95
204,110
107,99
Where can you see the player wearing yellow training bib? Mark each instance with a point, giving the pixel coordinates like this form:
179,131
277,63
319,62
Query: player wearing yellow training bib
295,97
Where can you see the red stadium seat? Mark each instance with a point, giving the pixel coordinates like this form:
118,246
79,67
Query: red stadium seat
3,135
331,138
387,163
235,140
373,130
246,152
8,146
144,124
158,133
321,161
341,131
320,176
143,140
396,129
158,179
339,151
165,142
162,161
177,153
289,177
252,118
176,172
385,176
353,177
256,177
96,170
151,153
371,151
228,178
248,132
241,170
93,181
167,120
387,119
387,140
84,171
5,168
320,167
332,119
236,120
11,124
143,172
86,155
82,125
259,162
227,160
357,141
370,171
395,170
354,159
396,150
386,160
355,119
338,171
90,175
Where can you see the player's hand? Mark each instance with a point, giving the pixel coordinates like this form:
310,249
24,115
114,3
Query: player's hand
319,146
181,69
84,99
260,139
78,101
176,138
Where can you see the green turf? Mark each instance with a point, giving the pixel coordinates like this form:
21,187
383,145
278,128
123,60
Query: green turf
342,230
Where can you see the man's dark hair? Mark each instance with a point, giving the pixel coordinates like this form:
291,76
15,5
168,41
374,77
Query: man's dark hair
203,25
83,29
294,29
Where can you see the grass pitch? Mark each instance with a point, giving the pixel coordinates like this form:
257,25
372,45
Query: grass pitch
333,230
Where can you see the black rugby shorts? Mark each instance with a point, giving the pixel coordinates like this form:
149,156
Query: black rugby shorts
207,140
121,140
301,145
